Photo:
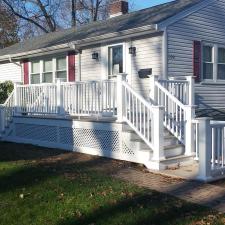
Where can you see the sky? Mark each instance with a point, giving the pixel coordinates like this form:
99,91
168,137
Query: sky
141,4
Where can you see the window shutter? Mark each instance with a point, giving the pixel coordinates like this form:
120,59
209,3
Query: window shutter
71,66
197,59
25,71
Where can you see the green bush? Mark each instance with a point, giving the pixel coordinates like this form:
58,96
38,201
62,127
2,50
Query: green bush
5,89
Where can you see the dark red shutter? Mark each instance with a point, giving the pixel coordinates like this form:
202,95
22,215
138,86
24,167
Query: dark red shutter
26,71
71,65
197,60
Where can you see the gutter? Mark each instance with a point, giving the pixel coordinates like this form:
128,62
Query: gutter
26,54
135,32
11,61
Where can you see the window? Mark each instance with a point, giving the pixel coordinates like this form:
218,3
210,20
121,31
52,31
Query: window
47,70
47,73
61,68
213,62
35,72
221,64
207,62
115,60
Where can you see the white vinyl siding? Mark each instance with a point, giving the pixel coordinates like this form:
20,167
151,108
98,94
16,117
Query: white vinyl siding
90,68
148,55
206,25
10,71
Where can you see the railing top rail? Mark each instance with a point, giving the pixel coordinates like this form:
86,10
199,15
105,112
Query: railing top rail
64,83
214,123
179,77
89,81
36,85
195,121
8,99
173,98
174,81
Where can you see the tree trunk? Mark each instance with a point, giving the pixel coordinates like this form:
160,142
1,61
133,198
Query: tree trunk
74,12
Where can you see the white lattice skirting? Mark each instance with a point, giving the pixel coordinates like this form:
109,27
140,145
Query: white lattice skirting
95,138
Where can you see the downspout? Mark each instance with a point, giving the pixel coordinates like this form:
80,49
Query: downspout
11,61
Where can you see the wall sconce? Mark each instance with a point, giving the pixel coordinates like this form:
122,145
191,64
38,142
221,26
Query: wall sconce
95,55
132,51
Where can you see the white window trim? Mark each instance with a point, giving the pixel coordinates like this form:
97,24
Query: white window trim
30,69
124,58
215,62
41,61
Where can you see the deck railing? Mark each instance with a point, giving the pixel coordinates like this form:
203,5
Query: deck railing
178,111
179,88
210,148
36,99
7,111
145,119
90,98
75,99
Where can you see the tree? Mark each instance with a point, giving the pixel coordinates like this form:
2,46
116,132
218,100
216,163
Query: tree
40,13
44,16
8,28
92,10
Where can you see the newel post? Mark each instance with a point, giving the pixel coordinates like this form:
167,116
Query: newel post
153,93
120,96
158,137
191,90
59,97
189,129
189,116
205,148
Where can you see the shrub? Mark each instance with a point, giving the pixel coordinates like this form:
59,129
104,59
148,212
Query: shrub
5,89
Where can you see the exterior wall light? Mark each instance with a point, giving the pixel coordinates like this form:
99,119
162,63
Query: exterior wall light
95,55
132,51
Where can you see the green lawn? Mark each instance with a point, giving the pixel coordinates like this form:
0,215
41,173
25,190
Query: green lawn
45,187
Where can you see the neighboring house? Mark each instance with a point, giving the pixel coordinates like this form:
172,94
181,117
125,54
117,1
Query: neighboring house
173,40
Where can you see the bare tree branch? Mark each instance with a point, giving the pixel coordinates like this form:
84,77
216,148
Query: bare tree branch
23,17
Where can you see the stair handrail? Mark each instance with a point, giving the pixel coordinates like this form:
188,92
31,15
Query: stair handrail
7,111
143,117
178,116
172,97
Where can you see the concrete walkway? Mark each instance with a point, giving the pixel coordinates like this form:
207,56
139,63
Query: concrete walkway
210,195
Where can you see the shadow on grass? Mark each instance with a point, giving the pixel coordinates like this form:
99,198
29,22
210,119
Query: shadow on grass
83,176
14,152
141,209
47,164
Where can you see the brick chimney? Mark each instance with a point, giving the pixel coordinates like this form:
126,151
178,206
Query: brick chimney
118,7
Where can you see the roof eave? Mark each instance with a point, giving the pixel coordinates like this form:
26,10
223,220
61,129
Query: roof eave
85,42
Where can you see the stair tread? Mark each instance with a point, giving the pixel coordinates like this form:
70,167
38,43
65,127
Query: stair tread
177,157
167,147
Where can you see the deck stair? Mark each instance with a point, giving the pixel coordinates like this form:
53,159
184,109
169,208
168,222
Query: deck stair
174,151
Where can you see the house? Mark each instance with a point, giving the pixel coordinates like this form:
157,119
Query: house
182,42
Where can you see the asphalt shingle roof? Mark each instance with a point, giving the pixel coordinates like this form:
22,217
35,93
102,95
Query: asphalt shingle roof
149,16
